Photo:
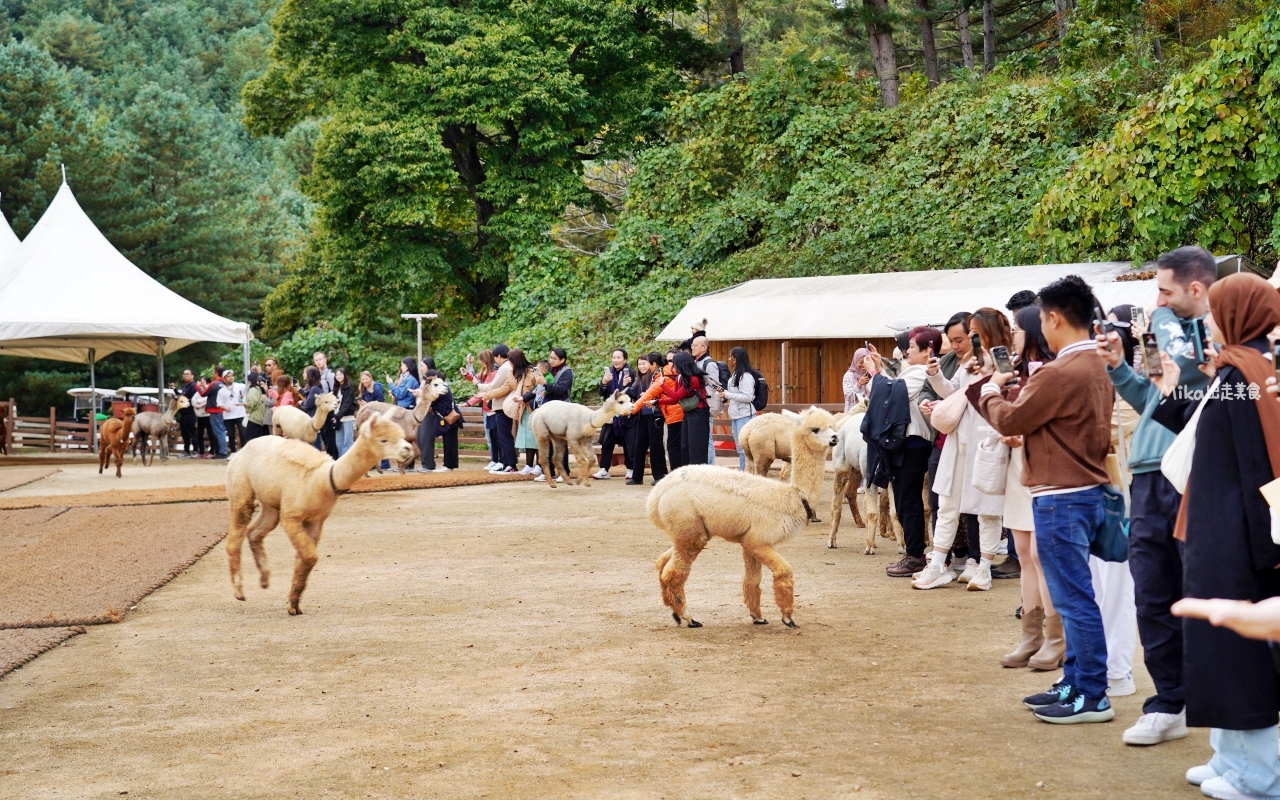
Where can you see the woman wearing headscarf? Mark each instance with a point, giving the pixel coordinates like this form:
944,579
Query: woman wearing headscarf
1231,682
857,381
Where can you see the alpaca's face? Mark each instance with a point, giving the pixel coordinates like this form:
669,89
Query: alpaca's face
623,405
388,437
817,426
326,403
183,402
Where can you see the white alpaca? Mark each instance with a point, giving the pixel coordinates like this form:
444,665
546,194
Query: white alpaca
849,458
292,422
697,502
297,486
767,437
153,424
561,427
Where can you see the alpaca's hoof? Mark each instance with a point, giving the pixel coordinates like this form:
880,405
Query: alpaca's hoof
870,551
693,623
790,623
676,617
761,621
239,595
831,545
294,611
265,580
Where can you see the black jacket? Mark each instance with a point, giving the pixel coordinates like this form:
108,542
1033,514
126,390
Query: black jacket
1230,681
562,386
346,403
884,428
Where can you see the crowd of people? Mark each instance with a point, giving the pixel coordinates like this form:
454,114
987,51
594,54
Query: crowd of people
1085,438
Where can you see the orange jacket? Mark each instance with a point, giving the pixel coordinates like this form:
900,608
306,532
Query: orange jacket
671,411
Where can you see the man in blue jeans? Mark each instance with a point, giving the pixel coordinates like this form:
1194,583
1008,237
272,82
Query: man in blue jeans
1064,415
219,396
1183,278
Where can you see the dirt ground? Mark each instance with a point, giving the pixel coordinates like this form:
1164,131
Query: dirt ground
510,642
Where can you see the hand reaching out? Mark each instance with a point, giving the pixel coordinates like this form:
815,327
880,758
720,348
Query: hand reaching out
1253,620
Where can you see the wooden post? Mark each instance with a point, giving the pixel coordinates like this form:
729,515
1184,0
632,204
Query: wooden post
13,421
53,428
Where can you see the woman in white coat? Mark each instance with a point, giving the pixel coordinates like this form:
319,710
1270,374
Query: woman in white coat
954,482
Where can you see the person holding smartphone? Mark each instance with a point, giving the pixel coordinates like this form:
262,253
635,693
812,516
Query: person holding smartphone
1183,279
857,380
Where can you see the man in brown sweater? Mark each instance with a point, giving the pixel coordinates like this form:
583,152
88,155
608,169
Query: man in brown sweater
1064,415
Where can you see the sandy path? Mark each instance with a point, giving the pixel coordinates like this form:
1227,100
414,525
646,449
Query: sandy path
509,641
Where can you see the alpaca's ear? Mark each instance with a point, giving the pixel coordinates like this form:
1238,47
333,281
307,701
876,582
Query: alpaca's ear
385,416
791,415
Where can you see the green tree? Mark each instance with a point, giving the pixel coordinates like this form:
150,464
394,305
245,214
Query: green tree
454,136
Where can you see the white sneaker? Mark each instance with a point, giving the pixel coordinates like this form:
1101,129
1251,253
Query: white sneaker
497,468
969,567
602,475
980,581
1220,789
527,470
537,470
1121,687
442,469
491,465
933,577
1200,774
628,474
1158,727
541,479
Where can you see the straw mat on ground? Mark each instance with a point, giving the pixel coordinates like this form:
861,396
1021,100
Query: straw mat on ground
13,478
198,494
87,566
17,647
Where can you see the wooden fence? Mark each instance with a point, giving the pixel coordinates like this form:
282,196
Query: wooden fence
52,435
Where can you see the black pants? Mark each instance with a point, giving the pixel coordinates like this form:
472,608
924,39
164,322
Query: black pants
204,428
934,458
252,431
234,431
694,436
187,424
908,494
431,427
646,437
1155,560
329,436
675,445
609,438
505,438
491,426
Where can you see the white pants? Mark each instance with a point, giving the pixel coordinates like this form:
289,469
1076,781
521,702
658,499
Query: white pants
948,522
1113,589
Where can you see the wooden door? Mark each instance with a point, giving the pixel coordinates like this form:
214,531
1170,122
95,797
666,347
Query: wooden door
804,371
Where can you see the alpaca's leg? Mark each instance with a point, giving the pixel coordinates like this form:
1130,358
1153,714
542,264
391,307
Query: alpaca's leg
582,452
305,547
674,573
928,537
241,513
783,580
872,500
763,462
263,524
784,474
548,457
855,483
838,486
897,532
104,453
751,585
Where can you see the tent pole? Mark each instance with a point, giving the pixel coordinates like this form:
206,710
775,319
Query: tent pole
93,404
160,373
784,372
246,356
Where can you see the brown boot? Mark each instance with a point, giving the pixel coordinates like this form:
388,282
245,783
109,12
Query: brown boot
1032,638
1054,650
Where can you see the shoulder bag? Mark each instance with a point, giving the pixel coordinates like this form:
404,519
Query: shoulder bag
948,413
1176,464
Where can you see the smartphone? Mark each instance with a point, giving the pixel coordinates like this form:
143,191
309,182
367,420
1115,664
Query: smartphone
1151,356
1000,355
976,341
1198,338
1275,359
1139,318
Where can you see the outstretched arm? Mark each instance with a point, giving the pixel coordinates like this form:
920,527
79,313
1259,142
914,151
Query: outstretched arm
1252,620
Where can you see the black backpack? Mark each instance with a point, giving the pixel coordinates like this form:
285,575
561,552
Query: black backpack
762,392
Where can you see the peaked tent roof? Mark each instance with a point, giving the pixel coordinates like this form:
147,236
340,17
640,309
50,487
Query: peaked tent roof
879,303
8,239
66,289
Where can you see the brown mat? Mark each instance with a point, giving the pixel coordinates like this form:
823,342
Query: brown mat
20,646
200,494
88,566
13,478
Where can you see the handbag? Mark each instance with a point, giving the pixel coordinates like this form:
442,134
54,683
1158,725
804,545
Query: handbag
453,416
1176,464
689,403
1111,539
948,413
991,466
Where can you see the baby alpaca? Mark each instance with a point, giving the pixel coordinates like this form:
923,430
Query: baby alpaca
561,427
292,422
297,487
697,502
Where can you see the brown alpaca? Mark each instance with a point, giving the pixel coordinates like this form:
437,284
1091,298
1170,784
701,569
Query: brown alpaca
113,439
697,502
297,486
408,418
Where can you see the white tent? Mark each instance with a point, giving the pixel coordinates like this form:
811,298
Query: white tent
880,303
67,294
66,290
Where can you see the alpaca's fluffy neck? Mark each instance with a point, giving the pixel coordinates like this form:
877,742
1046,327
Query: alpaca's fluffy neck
604,415
317,417
171,413
353,464
806,469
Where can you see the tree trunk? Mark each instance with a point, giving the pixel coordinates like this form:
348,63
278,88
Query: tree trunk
966,43
462,142
931,70
988,36
733,37
1060,13
880,32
